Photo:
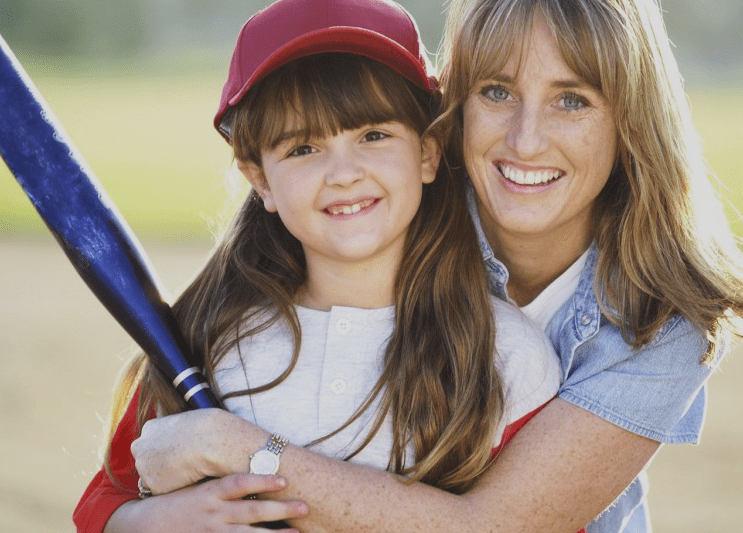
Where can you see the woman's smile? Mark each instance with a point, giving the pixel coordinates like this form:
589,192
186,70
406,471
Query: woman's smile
534,179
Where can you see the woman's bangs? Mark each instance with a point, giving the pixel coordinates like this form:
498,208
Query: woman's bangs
501,29
498,30
577,34
490,60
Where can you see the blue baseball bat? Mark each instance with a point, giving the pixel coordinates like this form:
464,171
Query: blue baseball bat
91,231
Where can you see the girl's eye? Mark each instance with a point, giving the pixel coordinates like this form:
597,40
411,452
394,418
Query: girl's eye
374,135
302,149
573,102
496,93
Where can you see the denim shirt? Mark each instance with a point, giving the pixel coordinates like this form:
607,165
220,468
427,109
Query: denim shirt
656,391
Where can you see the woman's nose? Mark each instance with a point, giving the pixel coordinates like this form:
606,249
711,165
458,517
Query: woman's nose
527,133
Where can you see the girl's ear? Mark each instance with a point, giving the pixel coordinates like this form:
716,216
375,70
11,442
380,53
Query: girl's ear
257,179
430,158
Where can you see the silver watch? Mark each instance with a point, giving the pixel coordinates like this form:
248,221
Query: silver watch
266,460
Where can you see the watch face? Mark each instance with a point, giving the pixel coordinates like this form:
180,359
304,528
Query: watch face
264,462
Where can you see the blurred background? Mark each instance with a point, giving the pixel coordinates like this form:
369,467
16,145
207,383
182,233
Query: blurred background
136,84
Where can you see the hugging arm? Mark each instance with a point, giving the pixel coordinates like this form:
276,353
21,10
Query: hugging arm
557,474
561,470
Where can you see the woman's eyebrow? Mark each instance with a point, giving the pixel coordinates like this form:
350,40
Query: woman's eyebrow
576,83
569,83
503,78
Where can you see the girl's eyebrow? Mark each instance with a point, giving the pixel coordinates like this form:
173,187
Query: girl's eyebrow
289,135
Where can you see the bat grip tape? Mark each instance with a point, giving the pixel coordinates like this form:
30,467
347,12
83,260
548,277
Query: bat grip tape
180,378
183,375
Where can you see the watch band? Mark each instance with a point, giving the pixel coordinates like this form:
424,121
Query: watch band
276,444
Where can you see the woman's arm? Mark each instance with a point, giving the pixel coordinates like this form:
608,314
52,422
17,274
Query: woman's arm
557,474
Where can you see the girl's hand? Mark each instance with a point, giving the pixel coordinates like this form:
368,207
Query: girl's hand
182,449
214,505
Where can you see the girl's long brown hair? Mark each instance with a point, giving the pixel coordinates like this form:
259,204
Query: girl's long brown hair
439,382
664,245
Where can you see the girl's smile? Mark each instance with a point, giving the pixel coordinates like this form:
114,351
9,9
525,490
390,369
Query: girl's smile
343,209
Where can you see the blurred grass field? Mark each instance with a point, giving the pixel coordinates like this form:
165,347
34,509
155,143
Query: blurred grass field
149,140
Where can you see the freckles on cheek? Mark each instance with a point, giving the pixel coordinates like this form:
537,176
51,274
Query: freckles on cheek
471,125
568,133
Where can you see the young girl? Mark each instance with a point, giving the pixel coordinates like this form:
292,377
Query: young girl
347,309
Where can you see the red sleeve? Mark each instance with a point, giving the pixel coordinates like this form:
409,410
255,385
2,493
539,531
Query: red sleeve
103,496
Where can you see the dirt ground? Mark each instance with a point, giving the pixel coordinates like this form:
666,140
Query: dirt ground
61,352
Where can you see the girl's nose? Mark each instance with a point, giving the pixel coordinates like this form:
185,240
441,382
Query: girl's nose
344,168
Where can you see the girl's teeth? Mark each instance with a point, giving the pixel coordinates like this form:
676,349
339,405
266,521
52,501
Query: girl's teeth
348,209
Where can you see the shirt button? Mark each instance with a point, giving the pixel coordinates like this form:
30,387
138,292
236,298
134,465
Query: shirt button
585,320
338,386
343,326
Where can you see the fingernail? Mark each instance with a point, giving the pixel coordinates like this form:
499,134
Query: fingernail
280,481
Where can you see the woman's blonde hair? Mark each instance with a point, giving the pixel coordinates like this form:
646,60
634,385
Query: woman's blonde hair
439,382
664,245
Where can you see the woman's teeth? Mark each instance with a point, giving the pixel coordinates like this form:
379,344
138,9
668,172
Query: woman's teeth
531,177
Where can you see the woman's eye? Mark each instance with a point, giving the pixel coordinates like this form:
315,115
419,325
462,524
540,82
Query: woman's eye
302,149
572,102
497,93
374,135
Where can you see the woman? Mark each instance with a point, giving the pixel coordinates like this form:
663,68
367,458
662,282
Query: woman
590,195
589,181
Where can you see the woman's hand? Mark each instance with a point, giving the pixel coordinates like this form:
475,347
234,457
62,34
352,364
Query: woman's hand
214,505
179,450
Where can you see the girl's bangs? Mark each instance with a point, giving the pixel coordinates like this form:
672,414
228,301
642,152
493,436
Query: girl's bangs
323,95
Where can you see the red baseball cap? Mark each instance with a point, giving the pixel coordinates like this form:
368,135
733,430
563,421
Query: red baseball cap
290,29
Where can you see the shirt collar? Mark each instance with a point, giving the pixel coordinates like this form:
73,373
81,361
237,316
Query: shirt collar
499,274
487,251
